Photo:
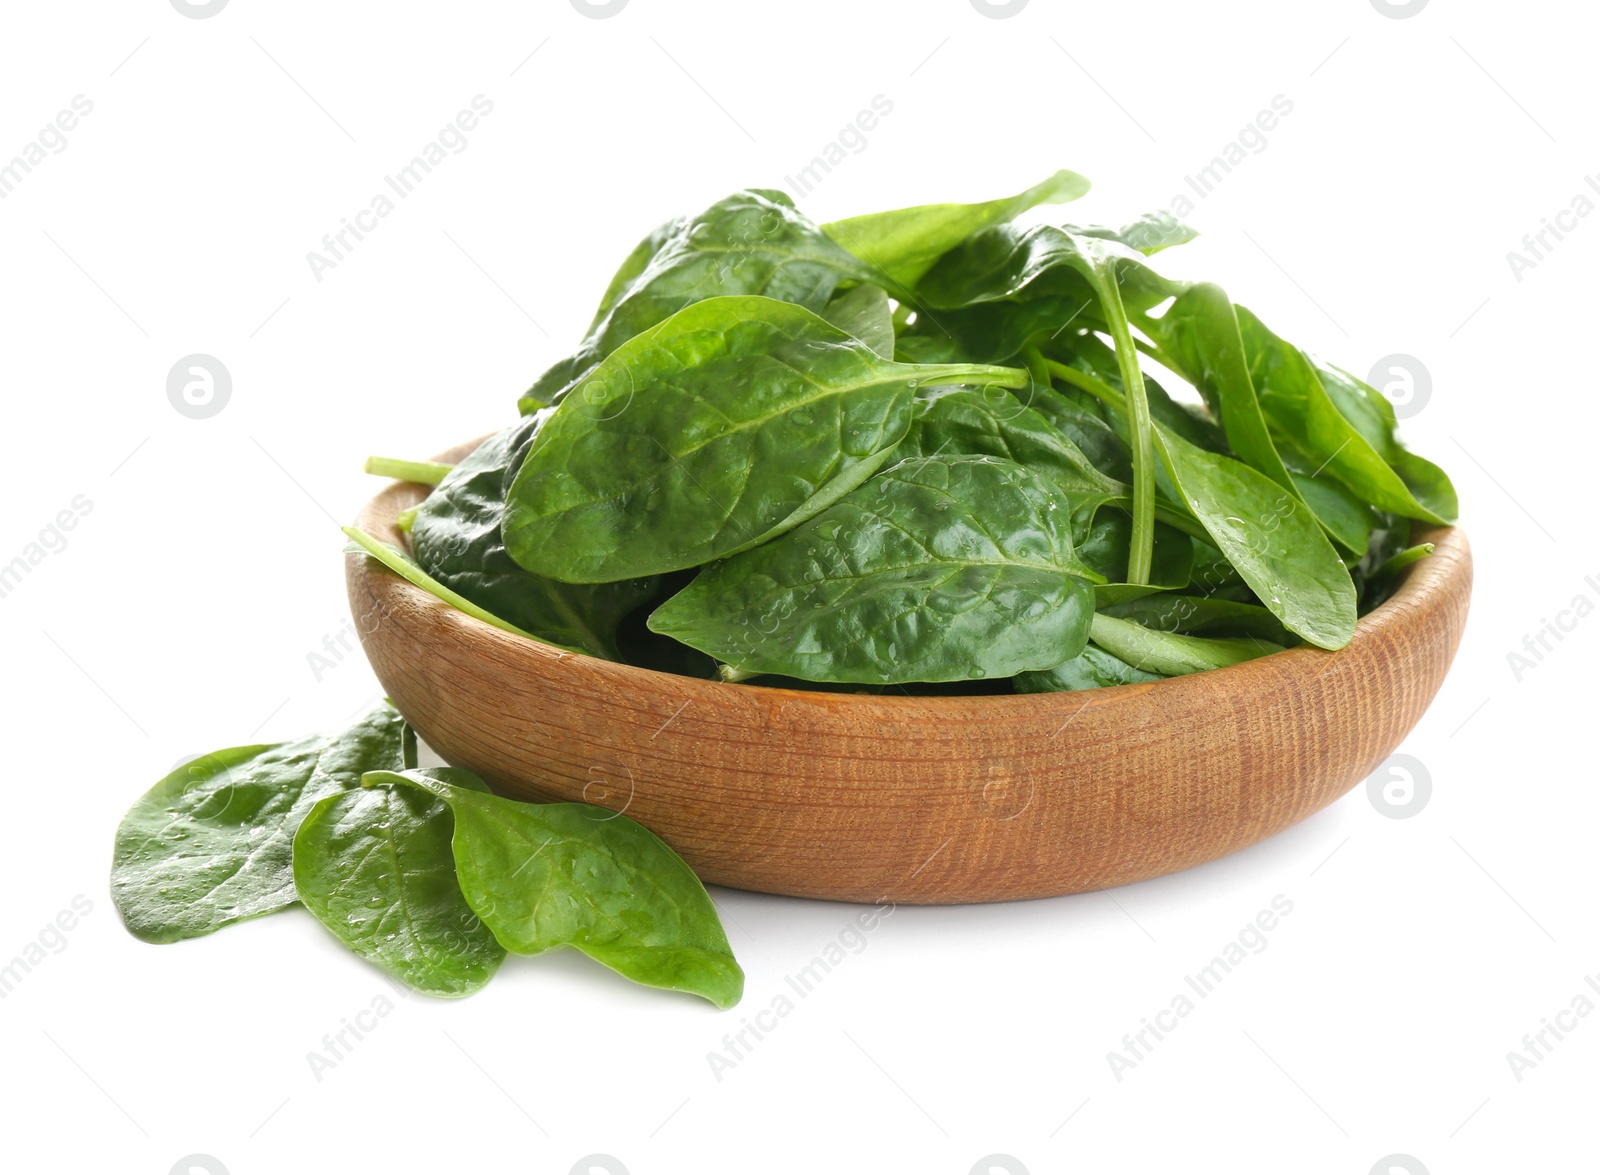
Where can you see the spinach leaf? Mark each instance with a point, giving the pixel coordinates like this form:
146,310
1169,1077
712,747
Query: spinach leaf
1171,654
457,540
863,312
542,876
1271,537
995,423
1091,669
1371,413
731,422
752,242
212,843
905,243
1190,614
375,867
1302,413
940,569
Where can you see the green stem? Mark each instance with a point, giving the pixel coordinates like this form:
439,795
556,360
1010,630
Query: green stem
1404,559
1141,428
1038,366
428,473
730,674
406,519
977,373
1088,383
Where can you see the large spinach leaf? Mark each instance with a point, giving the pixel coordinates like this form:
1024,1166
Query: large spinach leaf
212,843
542,876
456,538
752,242
940,569
374,865
731,422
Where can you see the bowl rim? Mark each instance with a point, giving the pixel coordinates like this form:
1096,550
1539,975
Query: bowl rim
379,518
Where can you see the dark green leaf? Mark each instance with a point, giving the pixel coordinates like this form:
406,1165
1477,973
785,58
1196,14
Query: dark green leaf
1305,418
940,569
1271,538
375,867
212,843
1203,614
732,422
1091,669
753,242
543,876
457,540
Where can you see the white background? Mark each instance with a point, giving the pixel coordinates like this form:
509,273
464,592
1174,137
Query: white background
180,615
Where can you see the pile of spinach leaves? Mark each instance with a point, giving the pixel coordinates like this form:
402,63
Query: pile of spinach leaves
423,873
919,448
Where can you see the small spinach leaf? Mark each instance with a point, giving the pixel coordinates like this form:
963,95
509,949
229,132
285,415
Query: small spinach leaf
212,843
1179,613
1091,669
940,569
863,312
733,421
574,875
1171,654
375,867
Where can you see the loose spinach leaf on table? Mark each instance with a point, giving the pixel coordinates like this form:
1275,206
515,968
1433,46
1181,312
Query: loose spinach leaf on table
212,843
726,425
542,876
904,244
752,242
375,867
940,569
457,540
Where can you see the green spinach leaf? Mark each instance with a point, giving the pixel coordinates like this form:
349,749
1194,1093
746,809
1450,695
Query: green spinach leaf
212,843
733,421
940,569
752,242
542,876
456,538
863,312
1171,654
374,866
905,243
1091,669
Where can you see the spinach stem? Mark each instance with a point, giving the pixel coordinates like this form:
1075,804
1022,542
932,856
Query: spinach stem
428,473
1038,367
1141,428
1088,383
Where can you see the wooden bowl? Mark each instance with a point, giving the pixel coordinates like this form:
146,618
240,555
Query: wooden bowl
919,800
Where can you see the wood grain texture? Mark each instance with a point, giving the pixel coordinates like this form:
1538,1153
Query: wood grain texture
918,800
